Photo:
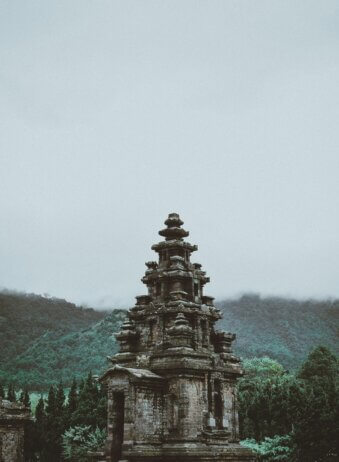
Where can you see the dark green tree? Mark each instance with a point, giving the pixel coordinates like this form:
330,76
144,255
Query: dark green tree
60,416
60,401
264,394
81,385
40,414
11,393
2,391
51,403
24,398
79,440
30,431
37,434
321,369
35,442
52,449
316,430
72,403
87,409
102,407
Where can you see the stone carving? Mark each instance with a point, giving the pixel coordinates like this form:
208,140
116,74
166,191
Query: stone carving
171,388
13,417
180,332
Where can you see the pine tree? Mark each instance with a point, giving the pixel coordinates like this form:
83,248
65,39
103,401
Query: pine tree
39,446
81,386
320,369
102,407
51,403
86,412
40,414
60,400
11,393
72,403
30,431
52,437
27,401
315,426
2,391
60,417
24,398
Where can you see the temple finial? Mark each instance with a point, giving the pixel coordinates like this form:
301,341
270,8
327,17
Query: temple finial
173,230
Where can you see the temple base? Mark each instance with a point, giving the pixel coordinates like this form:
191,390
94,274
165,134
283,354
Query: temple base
189,453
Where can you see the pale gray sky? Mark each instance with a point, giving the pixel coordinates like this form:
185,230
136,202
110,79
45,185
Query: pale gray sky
115,113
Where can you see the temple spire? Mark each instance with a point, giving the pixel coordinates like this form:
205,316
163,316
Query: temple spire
171,390
173,230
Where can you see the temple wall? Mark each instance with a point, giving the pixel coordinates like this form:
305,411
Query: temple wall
185,407
228,399
148,414
11,444
235,415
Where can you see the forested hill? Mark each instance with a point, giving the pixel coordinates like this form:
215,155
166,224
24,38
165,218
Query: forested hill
25,317
44,340
281,328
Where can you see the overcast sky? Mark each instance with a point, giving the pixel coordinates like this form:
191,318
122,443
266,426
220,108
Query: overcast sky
115,113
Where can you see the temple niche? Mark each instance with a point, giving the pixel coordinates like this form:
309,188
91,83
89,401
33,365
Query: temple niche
171,388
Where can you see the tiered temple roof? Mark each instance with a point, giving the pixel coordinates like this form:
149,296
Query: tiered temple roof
175,314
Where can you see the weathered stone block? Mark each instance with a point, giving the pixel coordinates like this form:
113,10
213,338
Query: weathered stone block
13,417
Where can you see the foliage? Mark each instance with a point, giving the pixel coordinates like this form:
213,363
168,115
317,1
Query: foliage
320,368
278,448
316,421
266,395
53,428
281,328
38,434
91,409
85,407
263,367
35,397
48,340
72,402
283,415
25,399
296,412
11,396
25,317
30,432
79,440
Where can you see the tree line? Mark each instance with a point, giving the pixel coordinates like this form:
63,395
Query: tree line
65,427
291,417
284,417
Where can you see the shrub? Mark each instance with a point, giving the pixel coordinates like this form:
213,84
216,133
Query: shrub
79,440
276,449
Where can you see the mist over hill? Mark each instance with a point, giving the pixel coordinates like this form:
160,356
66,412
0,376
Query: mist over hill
281,328
46,340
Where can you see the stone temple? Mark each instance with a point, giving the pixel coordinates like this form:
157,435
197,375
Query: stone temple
171,388
13,417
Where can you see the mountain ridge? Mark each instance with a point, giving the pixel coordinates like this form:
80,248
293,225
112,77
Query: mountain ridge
44,341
